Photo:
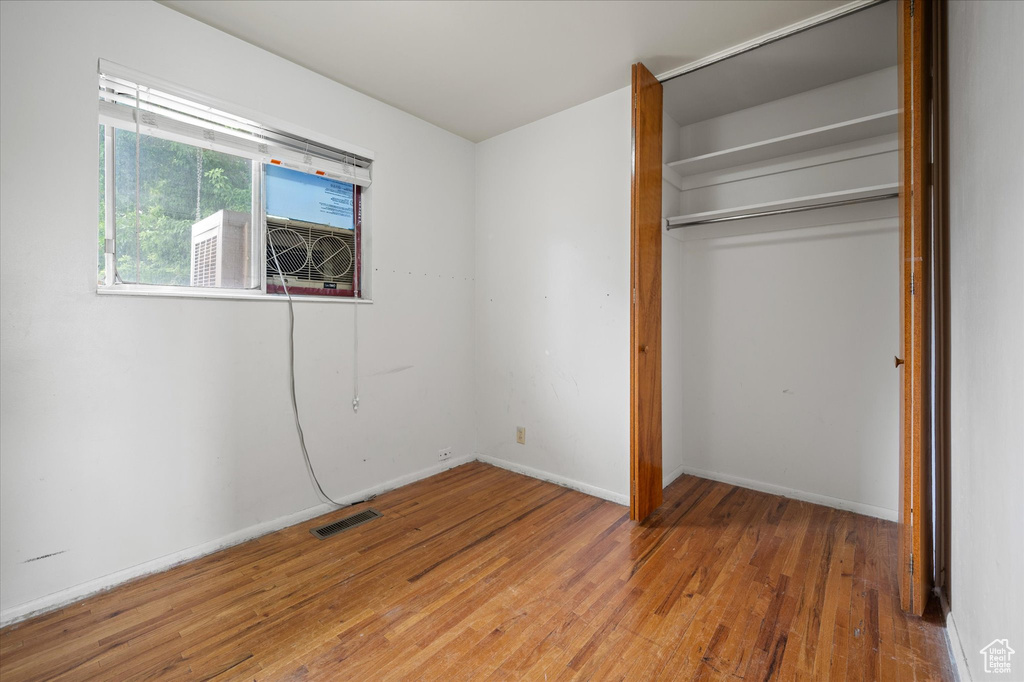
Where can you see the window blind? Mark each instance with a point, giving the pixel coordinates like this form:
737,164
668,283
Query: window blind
126,101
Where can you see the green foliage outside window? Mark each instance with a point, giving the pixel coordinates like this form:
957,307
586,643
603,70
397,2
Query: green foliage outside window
179,185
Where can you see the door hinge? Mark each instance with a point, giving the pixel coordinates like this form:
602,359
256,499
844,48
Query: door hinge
911,564
911,7
913,288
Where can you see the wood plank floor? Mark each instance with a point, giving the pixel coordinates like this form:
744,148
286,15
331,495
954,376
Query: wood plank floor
479,573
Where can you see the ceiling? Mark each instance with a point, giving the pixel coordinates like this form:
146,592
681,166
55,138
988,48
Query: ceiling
850,46
479,69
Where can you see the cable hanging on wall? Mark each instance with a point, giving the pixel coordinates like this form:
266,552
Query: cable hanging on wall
291,379
355,357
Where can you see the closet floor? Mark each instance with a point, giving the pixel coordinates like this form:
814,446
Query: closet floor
479,573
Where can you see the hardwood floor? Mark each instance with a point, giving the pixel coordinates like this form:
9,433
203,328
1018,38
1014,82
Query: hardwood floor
479,573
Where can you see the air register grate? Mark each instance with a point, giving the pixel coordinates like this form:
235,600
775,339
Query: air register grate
344,524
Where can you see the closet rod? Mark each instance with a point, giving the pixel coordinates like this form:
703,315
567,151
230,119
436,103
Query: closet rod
782,211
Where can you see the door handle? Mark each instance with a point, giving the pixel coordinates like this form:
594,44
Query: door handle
898,361
643,348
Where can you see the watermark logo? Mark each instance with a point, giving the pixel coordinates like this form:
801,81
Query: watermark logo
997,656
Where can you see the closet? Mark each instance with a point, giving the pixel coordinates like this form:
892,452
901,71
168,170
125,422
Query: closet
780,304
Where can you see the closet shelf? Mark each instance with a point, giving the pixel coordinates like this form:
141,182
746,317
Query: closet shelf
806,140
813,201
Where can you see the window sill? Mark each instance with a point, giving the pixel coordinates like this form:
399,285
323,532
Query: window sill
223,294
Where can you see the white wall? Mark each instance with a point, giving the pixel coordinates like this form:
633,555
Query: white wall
779,333
672,329
785,345
986,140
138,428
552,305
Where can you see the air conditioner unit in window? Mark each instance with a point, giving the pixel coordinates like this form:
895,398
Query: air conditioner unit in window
314,259
220,251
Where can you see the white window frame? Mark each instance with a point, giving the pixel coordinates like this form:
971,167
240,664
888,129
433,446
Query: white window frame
113,288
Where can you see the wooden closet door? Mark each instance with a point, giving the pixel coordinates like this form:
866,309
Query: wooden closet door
915,236
645,309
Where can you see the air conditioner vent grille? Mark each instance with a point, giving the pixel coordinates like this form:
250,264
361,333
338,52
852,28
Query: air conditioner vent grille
310,252
204,263
331,257
290,248
346,523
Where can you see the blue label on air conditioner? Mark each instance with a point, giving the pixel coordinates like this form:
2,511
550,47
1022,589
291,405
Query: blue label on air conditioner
310,198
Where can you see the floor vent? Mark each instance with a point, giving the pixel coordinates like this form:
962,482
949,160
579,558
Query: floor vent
336,527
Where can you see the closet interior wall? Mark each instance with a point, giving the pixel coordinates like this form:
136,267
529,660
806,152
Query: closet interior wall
779,332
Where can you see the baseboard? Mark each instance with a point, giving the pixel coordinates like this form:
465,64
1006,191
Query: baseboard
835,502
673,475
593,490
954,643
70,595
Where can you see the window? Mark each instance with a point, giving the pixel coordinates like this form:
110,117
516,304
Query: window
198,201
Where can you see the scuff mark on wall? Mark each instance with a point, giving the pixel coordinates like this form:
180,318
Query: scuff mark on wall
44,556
393,370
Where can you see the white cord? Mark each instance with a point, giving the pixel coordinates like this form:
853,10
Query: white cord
291,377
355,356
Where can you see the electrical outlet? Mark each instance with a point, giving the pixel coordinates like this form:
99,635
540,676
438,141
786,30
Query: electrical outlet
521,435
444,454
